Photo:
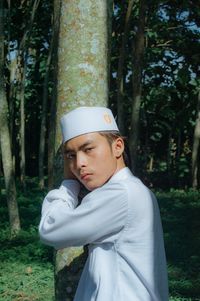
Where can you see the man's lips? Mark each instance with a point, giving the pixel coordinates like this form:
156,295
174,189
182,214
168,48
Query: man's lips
85,176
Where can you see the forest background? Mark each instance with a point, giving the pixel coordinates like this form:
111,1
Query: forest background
154,92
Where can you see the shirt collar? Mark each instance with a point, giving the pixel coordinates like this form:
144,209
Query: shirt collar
122,174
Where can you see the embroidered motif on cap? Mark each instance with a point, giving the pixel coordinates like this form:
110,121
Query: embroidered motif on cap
107,118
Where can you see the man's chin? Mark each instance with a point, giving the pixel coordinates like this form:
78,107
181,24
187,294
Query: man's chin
90,186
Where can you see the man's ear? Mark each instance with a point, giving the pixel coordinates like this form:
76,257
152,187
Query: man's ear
118,147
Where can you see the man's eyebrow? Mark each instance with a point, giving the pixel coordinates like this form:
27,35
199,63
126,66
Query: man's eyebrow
85,144
67,151
82,146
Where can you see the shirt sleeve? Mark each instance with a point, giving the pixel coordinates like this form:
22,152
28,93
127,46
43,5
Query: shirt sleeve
100,217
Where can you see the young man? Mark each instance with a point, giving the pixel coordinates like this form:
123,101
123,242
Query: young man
119,218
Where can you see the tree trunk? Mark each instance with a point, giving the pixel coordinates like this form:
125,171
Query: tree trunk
52,119
5,141
82,81
51,140
195,149
22,119
138,52
178,156
12,90
23,57
120,72
18,66
44,116
169,149
11,102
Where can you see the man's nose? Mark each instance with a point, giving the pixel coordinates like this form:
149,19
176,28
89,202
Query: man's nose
81,160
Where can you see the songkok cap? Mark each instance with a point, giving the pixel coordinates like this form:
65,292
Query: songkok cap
84,120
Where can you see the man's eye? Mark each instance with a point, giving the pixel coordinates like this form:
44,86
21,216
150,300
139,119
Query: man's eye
70,156
89,149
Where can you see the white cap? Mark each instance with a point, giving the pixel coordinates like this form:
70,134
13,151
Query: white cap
84,120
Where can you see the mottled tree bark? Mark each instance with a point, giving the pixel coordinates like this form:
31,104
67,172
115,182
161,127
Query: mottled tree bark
138,52
5,141
83,49
82,81
195,149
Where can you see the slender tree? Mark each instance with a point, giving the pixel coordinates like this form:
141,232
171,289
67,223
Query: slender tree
21,96
23,56
44,113
52,119
196,147
120,72
82,81
138,53
18,68
5,141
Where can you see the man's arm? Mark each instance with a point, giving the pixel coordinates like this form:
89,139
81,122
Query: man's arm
100,216
68,193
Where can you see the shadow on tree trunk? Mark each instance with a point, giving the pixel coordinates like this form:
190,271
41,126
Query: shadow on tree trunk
67,278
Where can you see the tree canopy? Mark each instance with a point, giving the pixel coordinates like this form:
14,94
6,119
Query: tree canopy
169,93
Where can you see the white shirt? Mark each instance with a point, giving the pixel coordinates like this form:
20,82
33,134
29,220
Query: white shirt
121,223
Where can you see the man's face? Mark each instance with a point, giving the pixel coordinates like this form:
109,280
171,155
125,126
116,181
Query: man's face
92,159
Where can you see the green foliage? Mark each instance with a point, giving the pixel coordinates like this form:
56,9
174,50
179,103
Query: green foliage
170,84
182,299
26,266
21,281
180,216
170,79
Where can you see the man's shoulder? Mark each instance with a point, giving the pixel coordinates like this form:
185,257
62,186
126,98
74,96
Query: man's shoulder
121,184
128,185
117,187
128,182
134,186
